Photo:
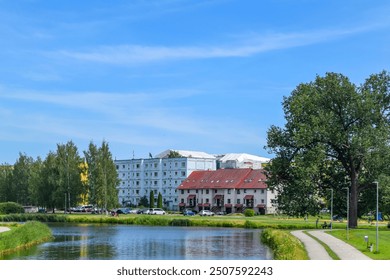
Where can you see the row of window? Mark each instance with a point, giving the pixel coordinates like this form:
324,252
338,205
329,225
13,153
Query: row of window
151,165
228,201
229,191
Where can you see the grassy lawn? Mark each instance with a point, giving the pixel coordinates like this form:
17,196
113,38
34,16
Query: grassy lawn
356,239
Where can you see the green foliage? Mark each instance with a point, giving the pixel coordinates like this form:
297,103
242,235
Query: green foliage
159,201
10,208
144,201
23,236
151,199
336,136
284,245
249,212
174,154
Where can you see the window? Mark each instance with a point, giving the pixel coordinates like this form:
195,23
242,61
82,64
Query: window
244,190
229,191
238,191
155,165
238,201
155,183
262,191
155,174
183,164
207,191
229,201
262,201
183,173
182,191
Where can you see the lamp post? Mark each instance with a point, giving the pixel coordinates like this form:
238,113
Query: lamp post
377,215
331,209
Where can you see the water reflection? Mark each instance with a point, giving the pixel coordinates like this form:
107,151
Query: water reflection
101,242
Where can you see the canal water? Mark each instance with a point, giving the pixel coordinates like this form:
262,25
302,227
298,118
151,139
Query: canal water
126,242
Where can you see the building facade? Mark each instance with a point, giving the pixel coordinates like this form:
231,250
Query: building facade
242,160
227,190
161,174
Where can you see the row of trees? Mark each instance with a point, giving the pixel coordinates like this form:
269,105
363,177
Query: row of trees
63,179
336,137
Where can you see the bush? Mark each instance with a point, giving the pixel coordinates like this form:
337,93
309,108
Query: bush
11,208
249,212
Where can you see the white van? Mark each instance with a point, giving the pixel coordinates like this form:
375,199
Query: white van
156,211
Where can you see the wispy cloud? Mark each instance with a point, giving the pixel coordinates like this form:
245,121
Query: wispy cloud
253,45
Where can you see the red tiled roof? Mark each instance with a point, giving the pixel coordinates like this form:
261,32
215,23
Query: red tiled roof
248,197
245,178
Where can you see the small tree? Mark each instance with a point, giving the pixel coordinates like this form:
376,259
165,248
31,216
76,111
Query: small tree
151,200
159,201
144,201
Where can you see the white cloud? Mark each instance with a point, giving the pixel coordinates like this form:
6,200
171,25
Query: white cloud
253,45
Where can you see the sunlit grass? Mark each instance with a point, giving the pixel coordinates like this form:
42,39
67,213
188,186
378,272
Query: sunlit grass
356,239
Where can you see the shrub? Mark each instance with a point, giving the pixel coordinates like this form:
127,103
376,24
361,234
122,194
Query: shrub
10,208
249,212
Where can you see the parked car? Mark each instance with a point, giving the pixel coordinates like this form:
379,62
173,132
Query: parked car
156,211
206,213
123,211
220,213
133,211
188,213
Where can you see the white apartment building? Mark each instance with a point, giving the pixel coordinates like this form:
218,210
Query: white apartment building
160,174
242,160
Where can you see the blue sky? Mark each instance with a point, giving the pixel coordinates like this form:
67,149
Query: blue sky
147,76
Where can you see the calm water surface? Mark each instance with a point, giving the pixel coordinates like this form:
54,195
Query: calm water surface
125,242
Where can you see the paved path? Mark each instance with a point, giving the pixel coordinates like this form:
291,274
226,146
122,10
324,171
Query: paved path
316,251
2,229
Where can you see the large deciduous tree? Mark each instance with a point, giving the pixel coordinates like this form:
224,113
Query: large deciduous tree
336,136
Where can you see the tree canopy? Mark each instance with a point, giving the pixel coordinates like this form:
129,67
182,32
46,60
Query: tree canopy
336,137
63,179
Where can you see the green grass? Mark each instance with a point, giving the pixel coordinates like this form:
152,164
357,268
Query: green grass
24,236
284,245
356,239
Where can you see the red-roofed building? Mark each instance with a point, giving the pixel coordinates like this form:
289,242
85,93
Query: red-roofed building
227,190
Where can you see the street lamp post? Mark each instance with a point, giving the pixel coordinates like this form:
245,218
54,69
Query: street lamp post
331,210
377,215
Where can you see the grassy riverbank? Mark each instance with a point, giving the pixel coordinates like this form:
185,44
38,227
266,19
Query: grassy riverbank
23,236
284,245
237,221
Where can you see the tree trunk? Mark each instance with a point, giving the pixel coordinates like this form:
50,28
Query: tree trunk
353,201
